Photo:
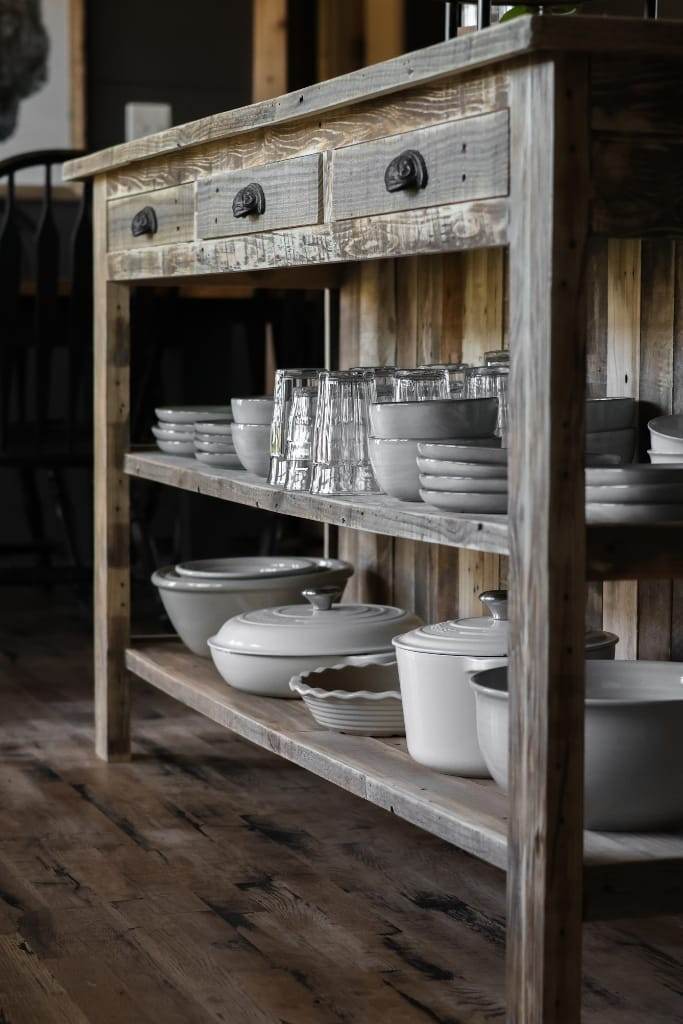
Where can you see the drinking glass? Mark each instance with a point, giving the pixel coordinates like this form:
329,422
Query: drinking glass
299,438
286,383
340,462
455,373
418,384
491,381
382,387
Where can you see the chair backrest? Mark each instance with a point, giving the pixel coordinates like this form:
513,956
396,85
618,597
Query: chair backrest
45,304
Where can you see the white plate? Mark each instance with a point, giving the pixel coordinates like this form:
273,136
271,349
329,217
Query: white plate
666,458
245,568
633,494
449,468
638,473
224,438
477,504
193,413
163,434
612,513
221,447
489,452
463,484
176,447
222,459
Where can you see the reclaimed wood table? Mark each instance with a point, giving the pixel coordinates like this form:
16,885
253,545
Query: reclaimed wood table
538,136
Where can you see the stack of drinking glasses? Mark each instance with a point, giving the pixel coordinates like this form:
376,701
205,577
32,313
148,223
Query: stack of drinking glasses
340,462
455,373
382,387
291,433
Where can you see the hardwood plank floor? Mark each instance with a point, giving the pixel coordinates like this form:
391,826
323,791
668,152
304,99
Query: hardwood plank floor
208,881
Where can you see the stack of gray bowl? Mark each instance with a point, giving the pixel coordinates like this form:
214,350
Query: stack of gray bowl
397,428
200,596
251,433
213,444
175,430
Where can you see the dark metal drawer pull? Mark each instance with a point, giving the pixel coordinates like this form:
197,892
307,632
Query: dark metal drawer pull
144,222
407,170
250,199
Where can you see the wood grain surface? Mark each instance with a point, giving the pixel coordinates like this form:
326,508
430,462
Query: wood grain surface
174,209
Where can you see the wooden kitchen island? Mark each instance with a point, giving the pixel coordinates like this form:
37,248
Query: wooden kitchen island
526,146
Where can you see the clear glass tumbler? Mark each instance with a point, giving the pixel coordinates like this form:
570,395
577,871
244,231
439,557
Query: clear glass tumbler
382,388
497,357
455,373
340,461
420,383
487,382
286,383
299,438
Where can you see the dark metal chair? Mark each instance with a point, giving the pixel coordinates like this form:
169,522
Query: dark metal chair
45,358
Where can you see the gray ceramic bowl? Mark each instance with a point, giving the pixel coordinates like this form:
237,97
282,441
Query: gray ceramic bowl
198,608
253,410
609,414
433,419
252,445
394,463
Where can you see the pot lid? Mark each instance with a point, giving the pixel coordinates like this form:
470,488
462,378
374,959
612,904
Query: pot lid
321,627
485,636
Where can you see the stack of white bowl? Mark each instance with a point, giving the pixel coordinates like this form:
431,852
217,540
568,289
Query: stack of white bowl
213,444
397,428
251,433
635,494
200,596
611,428
666,438
175,429
463,478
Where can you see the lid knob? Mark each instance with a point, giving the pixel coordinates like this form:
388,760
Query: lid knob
322,598
497,603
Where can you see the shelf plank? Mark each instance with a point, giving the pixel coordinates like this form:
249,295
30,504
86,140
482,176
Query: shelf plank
375,513
624,873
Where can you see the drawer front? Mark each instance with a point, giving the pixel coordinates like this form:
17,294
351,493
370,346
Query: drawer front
448,163
283,195
153,218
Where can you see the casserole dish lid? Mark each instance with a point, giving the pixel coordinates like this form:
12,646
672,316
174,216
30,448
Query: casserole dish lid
485,636
321,627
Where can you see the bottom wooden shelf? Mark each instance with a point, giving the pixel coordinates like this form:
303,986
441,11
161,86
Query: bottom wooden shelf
625,873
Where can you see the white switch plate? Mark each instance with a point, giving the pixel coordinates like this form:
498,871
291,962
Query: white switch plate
146,119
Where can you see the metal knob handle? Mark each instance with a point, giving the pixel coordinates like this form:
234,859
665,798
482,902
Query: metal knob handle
497,603
407,170
144,222
250,199
322,598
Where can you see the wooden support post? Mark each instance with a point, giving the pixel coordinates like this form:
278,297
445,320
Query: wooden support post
549,157
112,517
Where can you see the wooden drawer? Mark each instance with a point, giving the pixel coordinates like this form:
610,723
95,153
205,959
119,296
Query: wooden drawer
464,160
173,215
290,193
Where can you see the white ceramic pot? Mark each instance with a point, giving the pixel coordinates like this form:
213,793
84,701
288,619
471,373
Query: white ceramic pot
394,464
435,418
633,752
252,444
259,651
198,607
435,665
253,410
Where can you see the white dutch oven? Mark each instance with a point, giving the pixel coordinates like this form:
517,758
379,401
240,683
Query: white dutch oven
435,664
259,651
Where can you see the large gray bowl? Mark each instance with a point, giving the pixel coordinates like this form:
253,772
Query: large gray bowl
433,419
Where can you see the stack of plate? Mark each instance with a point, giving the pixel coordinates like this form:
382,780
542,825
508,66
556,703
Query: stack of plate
175,430
463,478
666,438
634,494
213,443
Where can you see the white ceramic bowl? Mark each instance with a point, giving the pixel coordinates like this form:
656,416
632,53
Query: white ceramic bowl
475,503
175,447
463,484
449,467
609,414
167,433
633,749
665,458
246,567
666,433
435,418
252,444
253,410
361,698
221,460
192,413
393,463
198,608
223,428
